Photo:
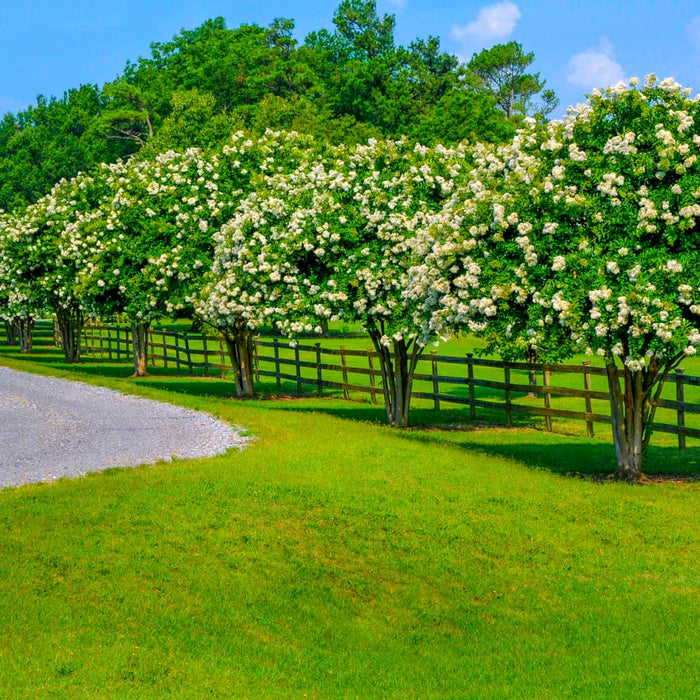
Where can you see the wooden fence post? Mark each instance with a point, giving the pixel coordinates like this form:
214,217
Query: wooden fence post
277,363
589,404
470,384
436,384
176,337
163,352
187,350
372,380
319,371
256,360
346,392
546,378
222,356
206,353
680,397
298,368
506,379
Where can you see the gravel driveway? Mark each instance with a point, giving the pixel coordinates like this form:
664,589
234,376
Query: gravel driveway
51,428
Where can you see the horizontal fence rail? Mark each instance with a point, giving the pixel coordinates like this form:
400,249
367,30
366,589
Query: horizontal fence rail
475,383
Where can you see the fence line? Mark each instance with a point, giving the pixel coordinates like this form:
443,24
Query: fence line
440,379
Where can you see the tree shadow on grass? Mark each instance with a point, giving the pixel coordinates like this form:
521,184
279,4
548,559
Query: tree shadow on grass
526,442
564,454
559,452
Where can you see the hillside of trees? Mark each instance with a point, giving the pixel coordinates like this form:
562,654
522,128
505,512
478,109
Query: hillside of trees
344,85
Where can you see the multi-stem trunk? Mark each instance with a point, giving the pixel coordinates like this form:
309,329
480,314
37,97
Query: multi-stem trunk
633,399
25,331
139,343
398,363
70,325
239,342
12,332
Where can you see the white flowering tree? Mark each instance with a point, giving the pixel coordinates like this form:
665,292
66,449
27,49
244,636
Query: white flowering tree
261,275
36,276
144,255
330,241
71,204
20,298
147,242
383,192
583,236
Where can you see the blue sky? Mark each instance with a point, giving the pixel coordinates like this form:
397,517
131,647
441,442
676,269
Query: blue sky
47,46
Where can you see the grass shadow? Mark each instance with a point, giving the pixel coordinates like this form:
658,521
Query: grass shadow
561,454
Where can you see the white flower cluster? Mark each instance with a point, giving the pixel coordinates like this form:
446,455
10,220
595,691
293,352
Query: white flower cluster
621,170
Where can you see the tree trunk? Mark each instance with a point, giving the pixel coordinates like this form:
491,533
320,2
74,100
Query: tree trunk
139,342
398,368
70,326
239,342
633,401
25,331
12,332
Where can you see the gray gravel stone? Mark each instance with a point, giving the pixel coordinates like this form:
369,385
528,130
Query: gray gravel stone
52,428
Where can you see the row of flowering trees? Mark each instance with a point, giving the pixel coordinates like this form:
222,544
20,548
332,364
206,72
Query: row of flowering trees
580,235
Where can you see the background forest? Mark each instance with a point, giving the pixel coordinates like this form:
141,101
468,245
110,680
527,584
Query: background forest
342,86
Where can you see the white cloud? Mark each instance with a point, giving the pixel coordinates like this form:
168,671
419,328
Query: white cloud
495,21
693,32
595,68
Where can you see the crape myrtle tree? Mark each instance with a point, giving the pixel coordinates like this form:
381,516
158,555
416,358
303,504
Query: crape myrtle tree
151,240
20,293
17,307
261,274
383,192
128,255
11,328
583,235
329,241
70,204
35,276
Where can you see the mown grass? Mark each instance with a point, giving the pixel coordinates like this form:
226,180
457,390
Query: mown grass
337,558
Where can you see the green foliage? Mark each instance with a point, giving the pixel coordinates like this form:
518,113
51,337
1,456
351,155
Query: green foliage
52,140
501,72
462,115
127,115
345,86
193,122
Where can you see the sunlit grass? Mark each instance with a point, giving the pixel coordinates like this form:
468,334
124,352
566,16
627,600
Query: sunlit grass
338,558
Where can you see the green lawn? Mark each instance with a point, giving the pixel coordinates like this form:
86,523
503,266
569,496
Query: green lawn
338,558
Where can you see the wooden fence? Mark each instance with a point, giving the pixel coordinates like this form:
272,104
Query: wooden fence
580,393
